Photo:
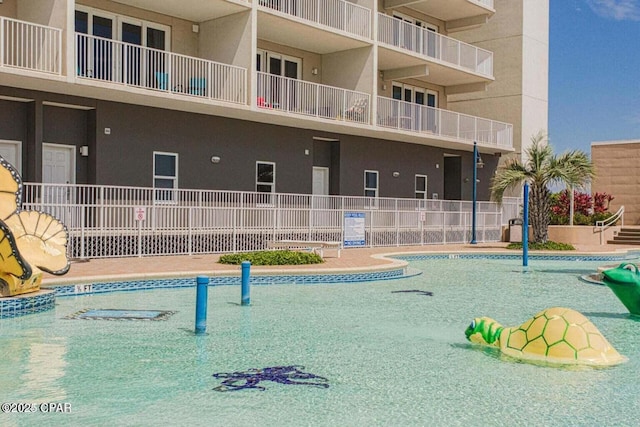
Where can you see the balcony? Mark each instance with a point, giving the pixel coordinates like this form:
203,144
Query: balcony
406,116
311,99
450,61
320,26
111,61
191,10
28,46
448,10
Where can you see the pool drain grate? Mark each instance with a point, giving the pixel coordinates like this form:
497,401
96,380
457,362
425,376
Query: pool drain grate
115,314
415,291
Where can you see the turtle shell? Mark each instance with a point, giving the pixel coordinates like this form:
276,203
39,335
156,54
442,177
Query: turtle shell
559,335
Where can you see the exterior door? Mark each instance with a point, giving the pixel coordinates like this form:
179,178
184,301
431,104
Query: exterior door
58,167
11,151
320,181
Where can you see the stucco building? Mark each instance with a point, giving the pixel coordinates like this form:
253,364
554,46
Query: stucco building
618,174
360,97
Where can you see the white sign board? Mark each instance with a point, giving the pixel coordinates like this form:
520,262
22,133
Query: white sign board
354,229
140,213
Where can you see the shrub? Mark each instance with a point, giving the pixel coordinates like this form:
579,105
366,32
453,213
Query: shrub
272,258
549,246
586,209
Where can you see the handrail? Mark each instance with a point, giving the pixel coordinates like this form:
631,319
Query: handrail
604,224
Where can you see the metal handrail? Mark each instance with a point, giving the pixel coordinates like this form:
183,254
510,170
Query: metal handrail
605,224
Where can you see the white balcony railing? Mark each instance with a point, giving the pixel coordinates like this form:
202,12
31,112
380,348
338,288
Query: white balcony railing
411,117
407,36
311,99
30,46
487,3
338,14
132,65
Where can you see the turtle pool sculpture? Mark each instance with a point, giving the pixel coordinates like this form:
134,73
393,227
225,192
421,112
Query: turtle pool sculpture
557,336
624,281
30,241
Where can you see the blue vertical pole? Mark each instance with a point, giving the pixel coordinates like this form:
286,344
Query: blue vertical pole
201,304
246,267
525,226
475,193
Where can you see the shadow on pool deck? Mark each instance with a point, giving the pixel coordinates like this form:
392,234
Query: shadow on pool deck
352,259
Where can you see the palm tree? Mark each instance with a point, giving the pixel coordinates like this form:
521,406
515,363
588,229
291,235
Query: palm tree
542,169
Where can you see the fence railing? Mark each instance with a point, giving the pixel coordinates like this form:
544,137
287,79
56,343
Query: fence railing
30,46
413,117
311,99
108,221
338,14
408,36
132,65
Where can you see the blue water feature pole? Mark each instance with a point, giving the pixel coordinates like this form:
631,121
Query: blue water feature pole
201,304
246,270
525,226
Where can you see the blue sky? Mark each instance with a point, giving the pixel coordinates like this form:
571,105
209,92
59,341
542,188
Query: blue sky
594,72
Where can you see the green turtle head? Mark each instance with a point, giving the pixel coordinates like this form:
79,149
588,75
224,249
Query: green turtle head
625,274
484,330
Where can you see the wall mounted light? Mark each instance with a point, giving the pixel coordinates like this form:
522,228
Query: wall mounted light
215,159
396,174
314,71
84,149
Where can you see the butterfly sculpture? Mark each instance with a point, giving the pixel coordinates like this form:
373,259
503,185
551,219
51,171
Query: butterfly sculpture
30,241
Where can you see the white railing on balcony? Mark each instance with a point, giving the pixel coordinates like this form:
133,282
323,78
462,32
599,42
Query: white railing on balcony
132,65
338,14
102,220
487,3
407,36
30,46
408,116
311,99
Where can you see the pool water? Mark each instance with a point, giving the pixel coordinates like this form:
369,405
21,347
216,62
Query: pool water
390,358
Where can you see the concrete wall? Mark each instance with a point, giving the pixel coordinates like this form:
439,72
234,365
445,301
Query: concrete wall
349,69
227,40
618,174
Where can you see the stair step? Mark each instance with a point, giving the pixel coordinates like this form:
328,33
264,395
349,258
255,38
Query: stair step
624,242
626,237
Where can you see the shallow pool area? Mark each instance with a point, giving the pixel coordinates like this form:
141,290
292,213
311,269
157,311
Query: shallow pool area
390,358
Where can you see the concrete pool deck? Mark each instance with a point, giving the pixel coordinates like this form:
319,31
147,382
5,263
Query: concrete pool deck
351,260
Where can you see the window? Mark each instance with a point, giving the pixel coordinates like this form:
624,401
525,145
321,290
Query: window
371,183
165,176
421,187
265,177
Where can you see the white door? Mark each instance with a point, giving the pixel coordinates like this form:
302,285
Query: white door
320,185
58,168
11,151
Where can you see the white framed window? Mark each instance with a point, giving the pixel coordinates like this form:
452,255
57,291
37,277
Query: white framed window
370,183
421,187
165,176
265,177
278,64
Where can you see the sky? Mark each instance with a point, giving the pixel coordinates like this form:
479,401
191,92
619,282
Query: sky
594,72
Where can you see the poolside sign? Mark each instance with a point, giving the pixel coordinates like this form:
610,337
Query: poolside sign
140,213
354,229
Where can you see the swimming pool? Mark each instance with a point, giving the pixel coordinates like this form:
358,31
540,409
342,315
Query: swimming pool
390,358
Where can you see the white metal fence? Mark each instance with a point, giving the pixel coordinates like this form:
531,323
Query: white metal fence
30,46
107,221
413,117
337,14
113,61
405,35
311,99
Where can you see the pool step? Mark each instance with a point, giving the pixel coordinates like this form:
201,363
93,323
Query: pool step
626,236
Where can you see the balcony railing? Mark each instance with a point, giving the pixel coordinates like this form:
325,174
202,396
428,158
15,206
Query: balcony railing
337,14
487,3
30,46
407,36
132,65
411,117
311,99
